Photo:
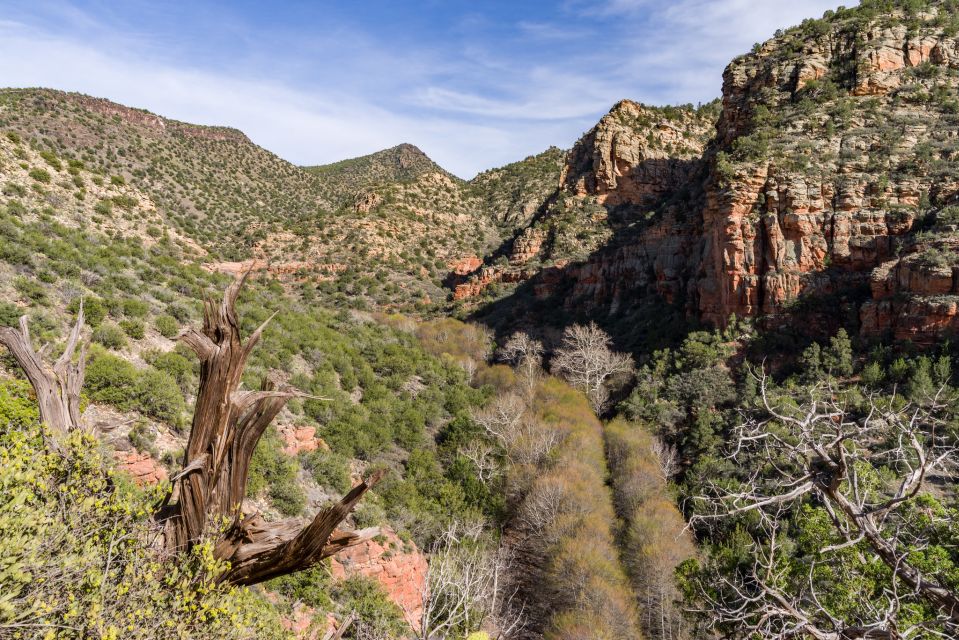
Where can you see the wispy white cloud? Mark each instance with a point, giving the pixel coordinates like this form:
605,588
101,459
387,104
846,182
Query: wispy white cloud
470,102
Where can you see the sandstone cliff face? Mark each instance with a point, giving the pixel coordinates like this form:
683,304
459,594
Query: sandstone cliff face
588,234
824,162
144,469
835,142
636,154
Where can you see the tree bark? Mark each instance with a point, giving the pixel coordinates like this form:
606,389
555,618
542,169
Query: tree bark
57,388
227,425
206,497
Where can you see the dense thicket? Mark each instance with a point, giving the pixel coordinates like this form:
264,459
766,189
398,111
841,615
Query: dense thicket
652,530
562,518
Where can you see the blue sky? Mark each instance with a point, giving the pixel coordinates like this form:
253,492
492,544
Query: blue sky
474,84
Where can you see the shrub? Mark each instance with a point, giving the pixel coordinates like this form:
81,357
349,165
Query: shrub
287,496
51,159
179,311
110,379
378,616
143,438
74,549
176,365
40,175
167,326
133,308
157,395
94,310
133,328
17,409
103,207
329,469
9,314
31,290
118,181
110,336
273,471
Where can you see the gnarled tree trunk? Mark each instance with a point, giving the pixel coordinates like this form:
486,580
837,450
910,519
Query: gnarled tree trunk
227,424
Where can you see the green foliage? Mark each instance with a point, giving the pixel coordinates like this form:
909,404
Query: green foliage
838,359
9,314
686,394
113,380
167,326
133,308
104,207
157,395
51,159
143,438
312,587
378,616
17,409
74,556
94,310
110,379
133,328
329,469
110,336
182,369
40,175
724,167
273,471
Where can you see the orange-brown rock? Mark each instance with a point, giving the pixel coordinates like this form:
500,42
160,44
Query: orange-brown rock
142,466
486,276
301,439
398,566
526,246
635,154
465,266
834,144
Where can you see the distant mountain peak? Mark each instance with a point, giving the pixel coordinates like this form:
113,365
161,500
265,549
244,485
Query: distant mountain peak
403,163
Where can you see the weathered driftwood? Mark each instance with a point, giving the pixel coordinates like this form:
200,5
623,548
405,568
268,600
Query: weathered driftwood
206,497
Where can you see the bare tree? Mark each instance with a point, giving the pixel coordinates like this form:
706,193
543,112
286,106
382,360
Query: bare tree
483,456
667,456
466,588
227,424
587,361
526,355
822,450
501,418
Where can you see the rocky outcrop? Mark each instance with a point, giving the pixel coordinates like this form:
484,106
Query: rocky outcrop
302,439
144,118
142,466
834,141
636,154
465,266
774,232
398,566
916,297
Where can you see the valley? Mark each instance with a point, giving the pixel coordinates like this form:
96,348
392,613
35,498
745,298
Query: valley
694,377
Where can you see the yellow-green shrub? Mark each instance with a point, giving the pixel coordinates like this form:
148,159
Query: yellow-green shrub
75,554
